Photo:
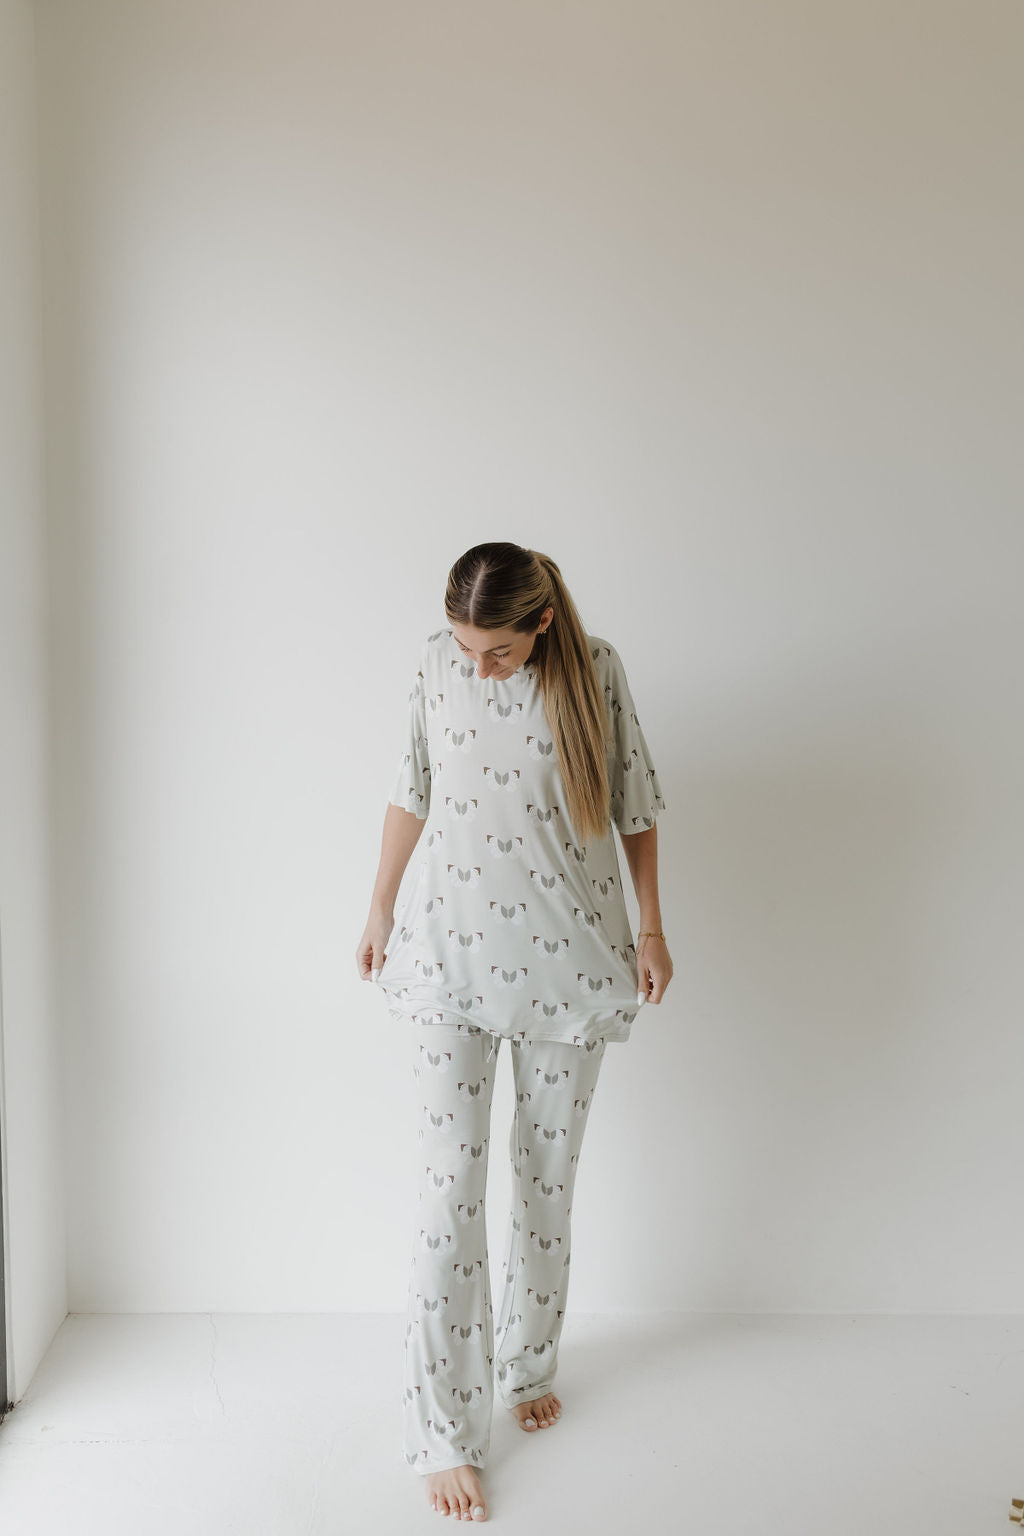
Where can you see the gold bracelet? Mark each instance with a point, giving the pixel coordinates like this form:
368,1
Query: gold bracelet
648,933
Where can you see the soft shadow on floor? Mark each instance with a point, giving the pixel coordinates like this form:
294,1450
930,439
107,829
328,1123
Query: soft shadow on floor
705,1423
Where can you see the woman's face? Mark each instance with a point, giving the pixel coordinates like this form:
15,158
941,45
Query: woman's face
498,652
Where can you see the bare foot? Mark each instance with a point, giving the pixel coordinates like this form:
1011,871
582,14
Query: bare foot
457,1492
541,1413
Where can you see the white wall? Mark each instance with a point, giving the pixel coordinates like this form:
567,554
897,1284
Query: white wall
720,305
33,1195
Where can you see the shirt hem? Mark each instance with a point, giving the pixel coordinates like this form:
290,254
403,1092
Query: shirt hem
612,1035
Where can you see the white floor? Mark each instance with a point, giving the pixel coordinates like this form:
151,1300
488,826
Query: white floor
706,1423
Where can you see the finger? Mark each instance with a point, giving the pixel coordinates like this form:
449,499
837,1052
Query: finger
378,960
660,983
370,962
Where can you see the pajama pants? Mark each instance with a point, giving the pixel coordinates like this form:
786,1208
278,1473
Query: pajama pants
450,1356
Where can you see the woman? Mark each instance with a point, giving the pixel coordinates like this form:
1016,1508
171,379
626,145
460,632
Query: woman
522,747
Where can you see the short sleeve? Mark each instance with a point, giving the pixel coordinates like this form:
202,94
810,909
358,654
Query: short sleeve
411,789
636,796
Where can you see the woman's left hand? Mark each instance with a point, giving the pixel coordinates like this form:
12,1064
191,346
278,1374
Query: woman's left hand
653,968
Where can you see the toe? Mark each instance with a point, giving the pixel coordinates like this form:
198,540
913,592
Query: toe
478,1512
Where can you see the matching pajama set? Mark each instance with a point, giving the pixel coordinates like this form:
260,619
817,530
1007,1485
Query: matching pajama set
512,930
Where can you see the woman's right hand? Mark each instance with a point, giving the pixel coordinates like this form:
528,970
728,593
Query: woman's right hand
370,955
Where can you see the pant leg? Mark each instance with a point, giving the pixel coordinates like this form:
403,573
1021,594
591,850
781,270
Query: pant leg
554,1086
449,1344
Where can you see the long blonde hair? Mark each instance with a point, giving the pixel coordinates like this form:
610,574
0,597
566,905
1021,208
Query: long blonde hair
503,586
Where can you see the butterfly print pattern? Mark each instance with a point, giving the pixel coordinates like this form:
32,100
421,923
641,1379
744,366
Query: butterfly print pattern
457,1353
506,906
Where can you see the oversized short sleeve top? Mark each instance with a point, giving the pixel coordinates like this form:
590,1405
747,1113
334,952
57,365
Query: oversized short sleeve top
511,925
